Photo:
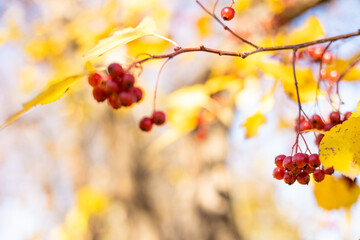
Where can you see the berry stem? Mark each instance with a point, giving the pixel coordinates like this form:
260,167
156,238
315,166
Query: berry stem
298,98
157,84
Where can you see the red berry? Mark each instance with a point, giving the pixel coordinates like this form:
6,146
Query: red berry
116,71
111,87
288,164
146,124
159,117
99,94
227,13
329,171
347,115
334,76
319,175
335,117
278,173
115,101
303,178
279,160
317,122
310,50
319,138
327,57
324,74
300,160
305,125
94,79
314,160
317,53
289,179
127,98
137,92
128,80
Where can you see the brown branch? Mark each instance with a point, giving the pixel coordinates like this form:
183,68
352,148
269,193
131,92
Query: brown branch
179,51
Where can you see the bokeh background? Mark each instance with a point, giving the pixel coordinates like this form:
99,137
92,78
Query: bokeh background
76,169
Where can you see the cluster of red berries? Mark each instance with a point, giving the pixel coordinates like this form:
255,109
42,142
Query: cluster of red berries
227,13
117,86
158,118
316,122
299,167
316,52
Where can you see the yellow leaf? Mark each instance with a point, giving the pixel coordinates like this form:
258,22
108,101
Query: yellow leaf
340,147
253,123
230,82
306,82
341,65
204,25
334,193
90,201
277,6
122,37
51,93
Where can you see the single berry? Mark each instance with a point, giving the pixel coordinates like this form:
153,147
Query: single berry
289,178
303,178
300,160
159,117
327,57
347,116
137,92
94,79
111,87
335,117
227,13
278,173
334,76
146,124
314,160
116,71
306,125
288,164
310,50
127,98
115,101
329,171
319,138
324,74
319,175
279,160
317,122
317,53
128,80
99,94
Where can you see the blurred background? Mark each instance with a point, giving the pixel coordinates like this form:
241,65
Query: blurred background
77,169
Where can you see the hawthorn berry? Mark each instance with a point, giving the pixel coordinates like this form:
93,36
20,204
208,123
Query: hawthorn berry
300,160
324,74
327,57
319,175
296,171
347,116
288,164
127,98
94,79
115,71
111,87
146,124
115,101
99,94
308,169
334,76
305,125
329,171
319,138
278,173
329,126
279,160
159,117
317,53
314,160
137,92
317,122
303,178
227,13
128,81
289,178
310,50
335,117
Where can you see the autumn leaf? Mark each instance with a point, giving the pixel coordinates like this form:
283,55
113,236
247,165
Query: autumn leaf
51,93
328,191
146,27
253,123
340,147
